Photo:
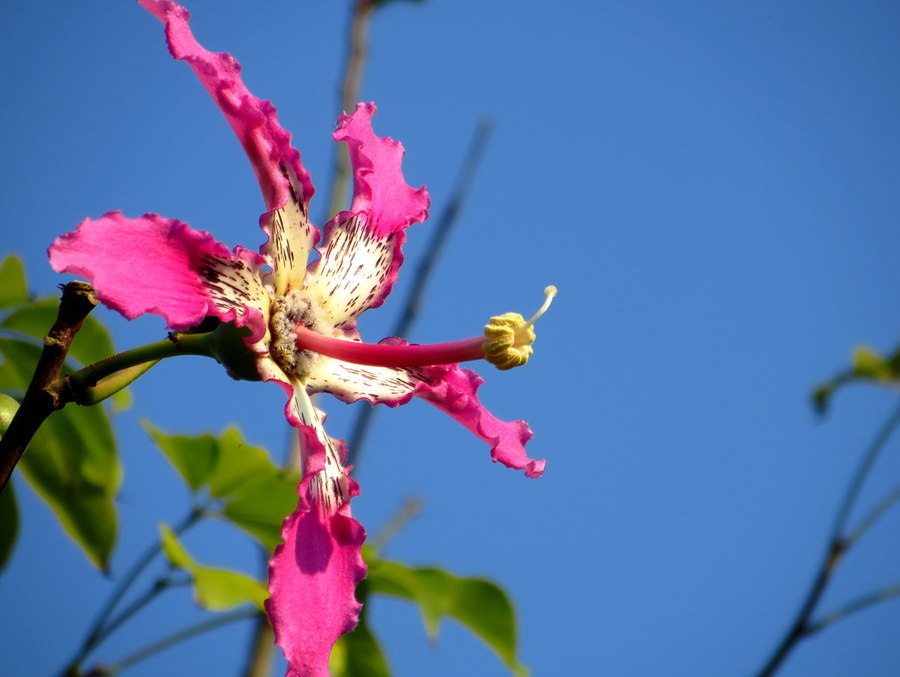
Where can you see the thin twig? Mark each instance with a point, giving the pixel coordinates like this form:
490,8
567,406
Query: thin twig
45,393
439,236
869,520
853,607
99,629
836,548
410,509
181,636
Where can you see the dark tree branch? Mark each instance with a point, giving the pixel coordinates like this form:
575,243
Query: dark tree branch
47,392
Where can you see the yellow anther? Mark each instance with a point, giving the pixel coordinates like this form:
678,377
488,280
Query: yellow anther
508,337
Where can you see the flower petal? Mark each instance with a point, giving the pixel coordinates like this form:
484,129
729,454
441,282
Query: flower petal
163,266
361,252
455,394
379,188
313,575
450,388
356,269
285,184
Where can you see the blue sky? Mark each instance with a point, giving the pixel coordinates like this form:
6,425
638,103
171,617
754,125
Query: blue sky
711,186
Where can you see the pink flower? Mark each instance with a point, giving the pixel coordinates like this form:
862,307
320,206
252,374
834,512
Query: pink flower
301,319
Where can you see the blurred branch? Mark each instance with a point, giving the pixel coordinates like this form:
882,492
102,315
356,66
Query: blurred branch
423,273
866,522
46,392
837,547
854,606
181,636
410,509
262,652
102,625
357,50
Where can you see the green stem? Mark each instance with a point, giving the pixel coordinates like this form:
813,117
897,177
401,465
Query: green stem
113,384
836,548
175,344
181,636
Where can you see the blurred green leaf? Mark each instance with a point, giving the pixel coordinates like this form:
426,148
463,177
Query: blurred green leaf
358,654
92,343
214,589
480,605
13,287
193,457
262,506
9,523
9,511
256,495
866,364
72,461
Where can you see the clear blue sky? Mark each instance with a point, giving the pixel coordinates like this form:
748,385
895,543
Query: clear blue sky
713,188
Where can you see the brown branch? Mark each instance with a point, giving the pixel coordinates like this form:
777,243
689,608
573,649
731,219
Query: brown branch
47,392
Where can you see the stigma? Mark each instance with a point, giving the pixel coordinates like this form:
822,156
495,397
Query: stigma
506,343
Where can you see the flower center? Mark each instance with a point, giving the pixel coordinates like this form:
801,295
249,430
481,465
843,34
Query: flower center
506,343
294,309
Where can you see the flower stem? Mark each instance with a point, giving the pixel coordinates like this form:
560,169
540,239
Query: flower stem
175,344
837,547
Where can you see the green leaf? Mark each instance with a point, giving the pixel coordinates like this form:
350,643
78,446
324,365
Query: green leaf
9,523
256,495
9,511
194,458
261,507
358,654
71,463
13,286
92,343
214,589
480,605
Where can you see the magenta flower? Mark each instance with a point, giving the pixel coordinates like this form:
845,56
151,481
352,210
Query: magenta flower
301,319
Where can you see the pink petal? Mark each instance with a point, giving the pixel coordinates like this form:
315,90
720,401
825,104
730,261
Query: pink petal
361,251
450,388
455,394
313,575
379,188
285,184
161,266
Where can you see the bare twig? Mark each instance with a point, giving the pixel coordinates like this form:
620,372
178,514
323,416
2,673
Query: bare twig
439,236
46,392
837,547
